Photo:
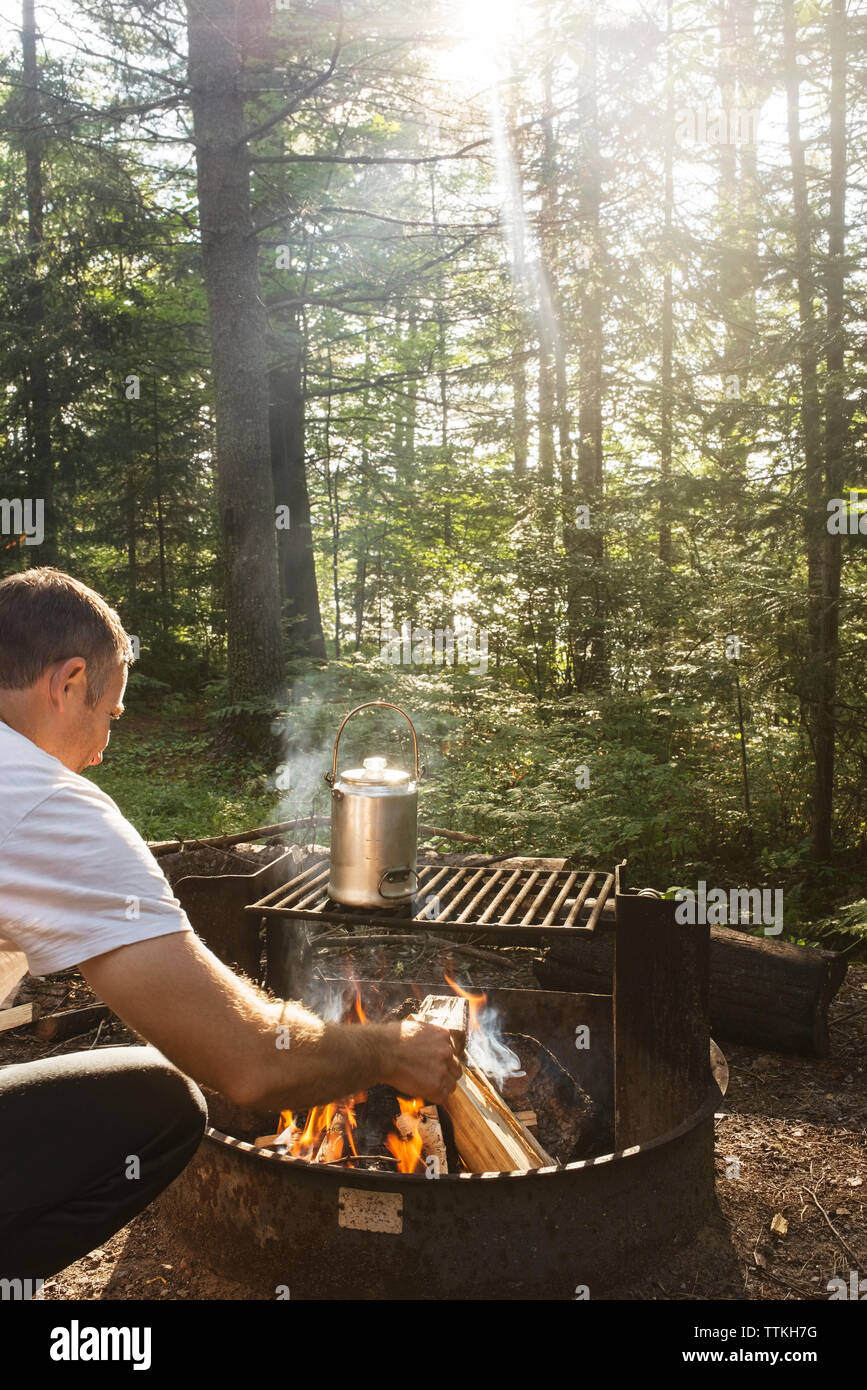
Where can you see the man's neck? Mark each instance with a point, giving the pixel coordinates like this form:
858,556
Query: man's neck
27,728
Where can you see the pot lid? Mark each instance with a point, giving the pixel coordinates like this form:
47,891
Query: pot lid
376,773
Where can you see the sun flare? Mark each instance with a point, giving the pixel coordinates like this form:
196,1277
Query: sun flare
481,35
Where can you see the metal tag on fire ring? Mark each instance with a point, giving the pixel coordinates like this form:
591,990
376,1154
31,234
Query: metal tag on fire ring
361,1210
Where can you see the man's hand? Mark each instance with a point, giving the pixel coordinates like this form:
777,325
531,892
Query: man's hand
423,1061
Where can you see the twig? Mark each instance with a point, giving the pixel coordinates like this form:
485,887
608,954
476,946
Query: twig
98,1035
262,832
450,834
851,1014
64,1041
425,940
856,1261
809,1294
351,1158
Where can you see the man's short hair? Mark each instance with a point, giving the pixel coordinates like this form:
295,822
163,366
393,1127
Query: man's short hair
47,616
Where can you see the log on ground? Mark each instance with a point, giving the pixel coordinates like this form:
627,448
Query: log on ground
766,993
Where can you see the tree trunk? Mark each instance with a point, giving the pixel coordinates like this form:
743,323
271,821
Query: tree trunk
590,472
520,286
667,369
811,420
731,280
161,527
363,502
39,404
245,492
131,522
521,429
555,321
547,326
835,443
332,482
297,561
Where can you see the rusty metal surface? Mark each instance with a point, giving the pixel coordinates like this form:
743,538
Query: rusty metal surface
344,1234
495,899
662,1022
216,903
528,1236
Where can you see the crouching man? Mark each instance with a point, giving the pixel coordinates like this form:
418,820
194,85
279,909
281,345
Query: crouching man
88,1140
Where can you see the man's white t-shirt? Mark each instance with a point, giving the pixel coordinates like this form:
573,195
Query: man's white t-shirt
76,879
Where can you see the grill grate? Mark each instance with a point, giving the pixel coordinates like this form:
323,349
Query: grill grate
491,898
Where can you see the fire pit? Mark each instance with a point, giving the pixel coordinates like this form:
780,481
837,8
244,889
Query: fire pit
643,1053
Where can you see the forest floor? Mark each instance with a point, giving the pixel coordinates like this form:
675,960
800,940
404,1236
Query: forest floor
789,1142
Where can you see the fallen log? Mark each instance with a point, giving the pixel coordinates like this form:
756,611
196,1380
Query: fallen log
489,1138
768,994
70,1023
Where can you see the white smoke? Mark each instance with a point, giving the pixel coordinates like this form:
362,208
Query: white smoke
487,1050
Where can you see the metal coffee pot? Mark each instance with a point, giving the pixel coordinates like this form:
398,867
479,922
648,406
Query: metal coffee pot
374,812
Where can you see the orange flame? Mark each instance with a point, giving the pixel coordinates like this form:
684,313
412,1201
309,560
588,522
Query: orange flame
477,1001
315,1144
359,1010
407,1150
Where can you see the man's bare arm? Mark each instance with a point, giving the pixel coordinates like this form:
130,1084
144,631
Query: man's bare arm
223,1032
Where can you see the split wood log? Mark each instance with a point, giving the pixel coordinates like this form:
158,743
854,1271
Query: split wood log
15,1018
448,1011
528,1118
489,1138
765,993
284,1140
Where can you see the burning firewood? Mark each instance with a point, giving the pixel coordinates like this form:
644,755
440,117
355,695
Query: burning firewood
448,1011
284,1140
489,1137
426,1125
334,1139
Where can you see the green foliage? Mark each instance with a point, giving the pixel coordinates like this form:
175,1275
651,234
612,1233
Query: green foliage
420,299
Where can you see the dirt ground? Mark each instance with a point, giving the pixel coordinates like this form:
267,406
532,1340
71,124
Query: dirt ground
790,1144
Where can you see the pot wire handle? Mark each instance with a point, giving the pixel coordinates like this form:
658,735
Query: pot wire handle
331,777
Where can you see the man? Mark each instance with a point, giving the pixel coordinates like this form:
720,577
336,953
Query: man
88,1140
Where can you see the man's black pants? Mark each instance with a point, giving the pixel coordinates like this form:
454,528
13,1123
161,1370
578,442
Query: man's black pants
86,1143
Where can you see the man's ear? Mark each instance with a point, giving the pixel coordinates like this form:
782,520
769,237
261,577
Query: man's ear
66,679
